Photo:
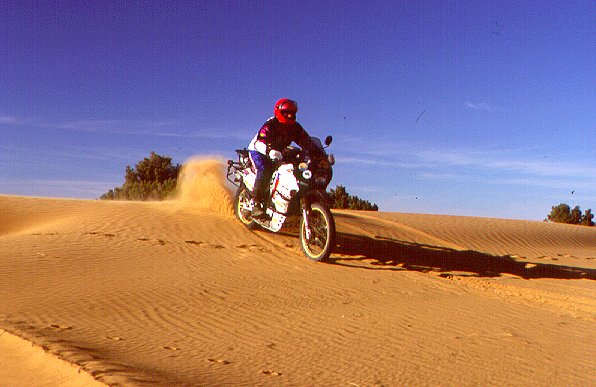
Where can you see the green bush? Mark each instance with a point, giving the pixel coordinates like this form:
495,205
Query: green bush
153,178
564,214
340,199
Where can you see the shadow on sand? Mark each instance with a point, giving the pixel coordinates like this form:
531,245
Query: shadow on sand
388,254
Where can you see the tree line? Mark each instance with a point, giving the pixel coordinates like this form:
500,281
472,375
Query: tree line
563,213
339,198
155,178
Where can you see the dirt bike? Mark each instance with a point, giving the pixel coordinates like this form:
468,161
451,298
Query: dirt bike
297,188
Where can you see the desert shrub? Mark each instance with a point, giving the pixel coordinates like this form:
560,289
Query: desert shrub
153,178
587,219
564,214
340,199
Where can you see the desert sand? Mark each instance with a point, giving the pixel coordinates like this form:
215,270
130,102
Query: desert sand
180,293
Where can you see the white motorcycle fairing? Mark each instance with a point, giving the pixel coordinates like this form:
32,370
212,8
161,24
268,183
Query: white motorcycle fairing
282,188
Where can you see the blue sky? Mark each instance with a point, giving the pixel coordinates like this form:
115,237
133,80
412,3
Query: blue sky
451,107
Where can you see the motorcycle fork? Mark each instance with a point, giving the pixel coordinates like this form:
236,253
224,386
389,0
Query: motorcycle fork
305,212
306,226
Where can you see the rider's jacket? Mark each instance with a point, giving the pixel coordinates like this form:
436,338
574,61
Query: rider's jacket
275,135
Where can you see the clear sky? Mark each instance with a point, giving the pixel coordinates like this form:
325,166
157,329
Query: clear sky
451,107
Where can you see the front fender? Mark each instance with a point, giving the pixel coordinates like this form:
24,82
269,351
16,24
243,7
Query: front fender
314,196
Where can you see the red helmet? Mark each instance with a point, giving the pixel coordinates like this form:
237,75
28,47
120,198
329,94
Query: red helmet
285,110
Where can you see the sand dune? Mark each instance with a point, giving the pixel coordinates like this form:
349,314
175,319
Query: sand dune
176,293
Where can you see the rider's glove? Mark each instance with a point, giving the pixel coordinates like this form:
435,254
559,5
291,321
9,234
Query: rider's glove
275,155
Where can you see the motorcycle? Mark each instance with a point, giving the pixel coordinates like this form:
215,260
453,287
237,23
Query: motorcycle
297,188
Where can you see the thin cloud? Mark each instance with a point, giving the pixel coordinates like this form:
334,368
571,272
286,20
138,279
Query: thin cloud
479,106
444,176
377,162
128,127
114,126
410,156
547,182
63,153
355,160
561,184
83,189
544,168
374,147
145,128
367,189
7,120
524,166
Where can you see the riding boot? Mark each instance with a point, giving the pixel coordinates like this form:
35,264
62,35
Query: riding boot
258,210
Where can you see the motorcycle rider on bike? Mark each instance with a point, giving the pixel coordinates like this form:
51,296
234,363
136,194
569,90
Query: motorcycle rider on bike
276,134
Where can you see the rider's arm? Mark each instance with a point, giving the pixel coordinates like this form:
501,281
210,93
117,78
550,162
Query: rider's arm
303,139
261,147
259,142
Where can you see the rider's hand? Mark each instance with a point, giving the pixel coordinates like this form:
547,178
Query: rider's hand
275,155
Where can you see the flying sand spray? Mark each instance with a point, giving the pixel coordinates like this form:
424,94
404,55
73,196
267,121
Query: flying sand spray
201,184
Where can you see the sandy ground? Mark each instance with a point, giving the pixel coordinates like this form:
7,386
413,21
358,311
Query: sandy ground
24,364
177,293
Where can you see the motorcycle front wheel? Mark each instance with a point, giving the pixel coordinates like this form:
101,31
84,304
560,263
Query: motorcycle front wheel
322,233
243,207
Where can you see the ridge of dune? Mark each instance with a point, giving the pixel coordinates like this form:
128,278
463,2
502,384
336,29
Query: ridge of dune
175,292
510,249
23,364
20,217
361,223
504,236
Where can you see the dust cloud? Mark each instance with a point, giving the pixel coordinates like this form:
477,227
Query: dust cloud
202,184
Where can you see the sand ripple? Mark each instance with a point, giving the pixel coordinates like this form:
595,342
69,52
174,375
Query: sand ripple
172,293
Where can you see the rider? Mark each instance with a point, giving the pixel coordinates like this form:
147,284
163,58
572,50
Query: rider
277,133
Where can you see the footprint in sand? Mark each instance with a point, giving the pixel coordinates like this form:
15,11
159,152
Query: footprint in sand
254,248
60,327
270,345
566,255
218,361
107,235
548,258
115,338
171,348
160,241
207,245
267,372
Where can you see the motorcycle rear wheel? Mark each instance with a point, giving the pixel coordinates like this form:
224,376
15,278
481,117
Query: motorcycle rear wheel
322,228
241,207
